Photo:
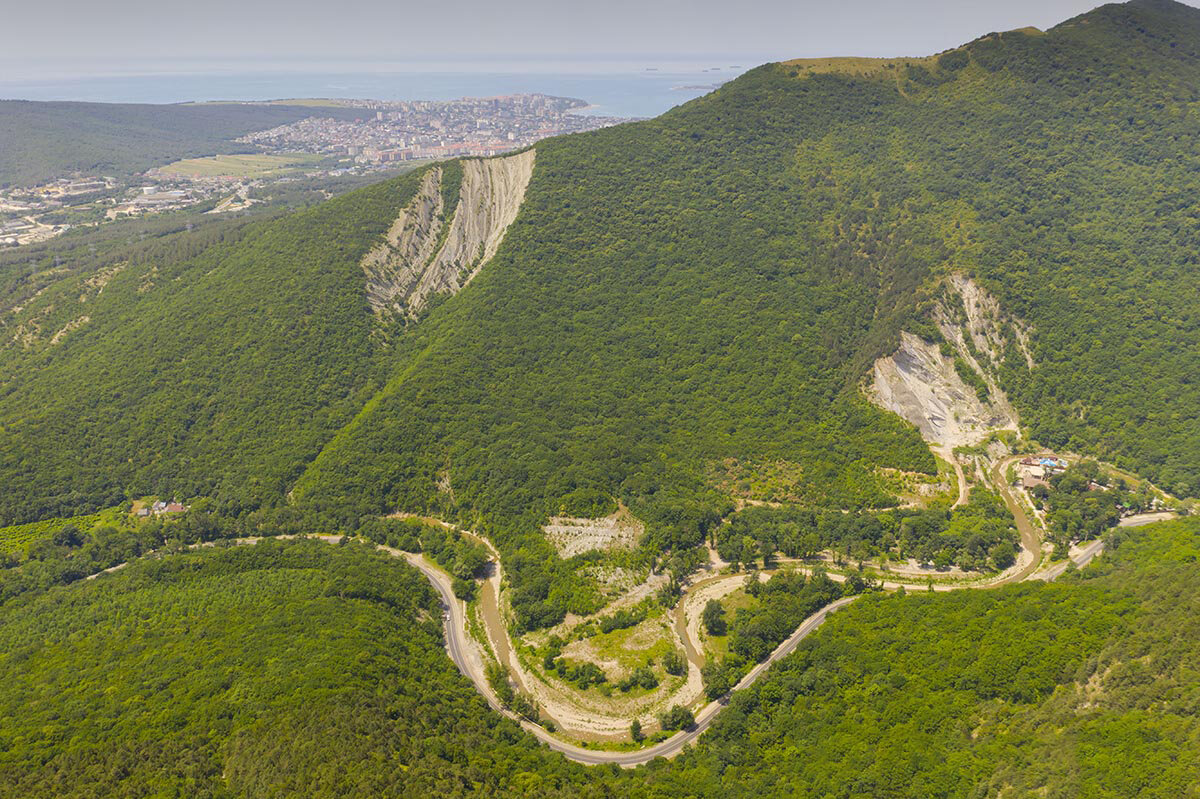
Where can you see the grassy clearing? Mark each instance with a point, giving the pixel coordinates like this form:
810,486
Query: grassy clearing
634,646
850,65
717,646
920,489
762,481
242,166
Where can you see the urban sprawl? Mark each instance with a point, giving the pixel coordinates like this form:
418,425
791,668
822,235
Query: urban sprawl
426,130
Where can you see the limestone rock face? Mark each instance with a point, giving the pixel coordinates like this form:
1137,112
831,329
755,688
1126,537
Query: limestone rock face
921,384
431,249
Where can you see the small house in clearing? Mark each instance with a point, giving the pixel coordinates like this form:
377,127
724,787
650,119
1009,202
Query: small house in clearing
159,508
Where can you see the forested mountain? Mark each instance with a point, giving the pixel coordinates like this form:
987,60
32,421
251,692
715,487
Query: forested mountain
45,140
208,362
713,284
703,288
672,307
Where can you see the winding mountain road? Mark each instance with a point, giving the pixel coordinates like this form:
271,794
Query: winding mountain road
1081,558
465,654
458,643
458,646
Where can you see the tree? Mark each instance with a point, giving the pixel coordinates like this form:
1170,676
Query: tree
497,677
635,731
718,678
753,584
642,676
749,551
677,718
469,560
68,536
463,589
713,618
524,707
1003,555
810,545
766,551
669,594
588,674
673,663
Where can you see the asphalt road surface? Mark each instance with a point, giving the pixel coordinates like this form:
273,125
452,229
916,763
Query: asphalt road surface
1030,540
458,645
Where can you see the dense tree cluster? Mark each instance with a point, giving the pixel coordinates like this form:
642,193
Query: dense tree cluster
707,286
978,535
1082,504
1032,688
262,659
209,363
785,600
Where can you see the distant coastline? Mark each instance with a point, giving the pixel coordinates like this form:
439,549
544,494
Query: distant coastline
632,94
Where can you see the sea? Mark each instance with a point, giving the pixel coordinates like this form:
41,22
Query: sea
632,94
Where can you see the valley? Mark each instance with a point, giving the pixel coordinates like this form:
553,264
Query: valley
833,434
571,725
594,730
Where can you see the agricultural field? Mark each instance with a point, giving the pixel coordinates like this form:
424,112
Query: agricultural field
242,166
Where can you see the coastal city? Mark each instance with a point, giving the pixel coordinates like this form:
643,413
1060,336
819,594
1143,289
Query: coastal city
388,136
415,131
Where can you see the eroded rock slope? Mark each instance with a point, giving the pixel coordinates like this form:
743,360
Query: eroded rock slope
924,382
433,249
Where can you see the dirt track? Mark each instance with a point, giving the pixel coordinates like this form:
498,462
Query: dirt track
1031,555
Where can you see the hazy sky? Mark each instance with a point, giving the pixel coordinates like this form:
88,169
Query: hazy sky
99,35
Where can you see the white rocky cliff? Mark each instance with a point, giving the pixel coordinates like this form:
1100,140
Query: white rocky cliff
920,383
423,253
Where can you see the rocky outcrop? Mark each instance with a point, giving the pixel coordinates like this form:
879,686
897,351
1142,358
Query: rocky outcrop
395,267
423,254
967,310
573,536
922,383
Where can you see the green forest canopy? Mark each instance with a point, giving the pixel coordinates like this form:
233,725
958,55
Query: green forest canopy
301,667
46,140
713,284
